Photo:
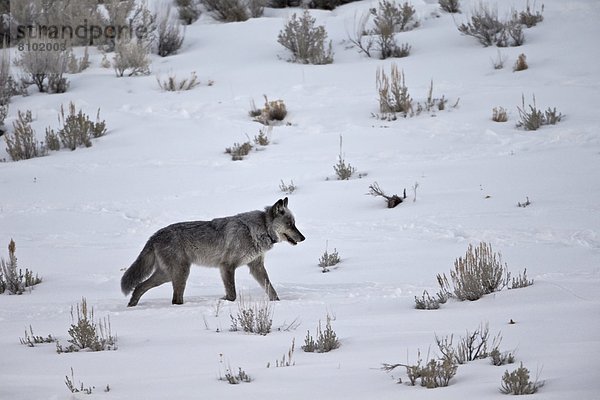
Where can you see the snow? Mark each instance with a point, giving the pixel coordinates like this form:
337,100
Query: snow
79,218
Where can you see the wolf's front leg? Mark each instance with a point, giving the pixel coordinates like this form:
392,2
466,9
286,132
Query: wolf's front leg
258,271
228,276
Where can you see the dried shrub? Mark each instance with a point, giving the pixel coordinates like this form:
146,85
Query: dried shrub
498,62
518,382
434,374
234,10
87,333
253,316
343,171
391,201
287,358
451,6
131,59
305,40
287,188
22,144
274,110
77,129
239,151
486,27
393,93
12,278
475,345
45,69
521,63
521,280
262,139
30,339
170,34
189,11
529,17
534,118
389,18
70,383
172,84
499,358
499,114
76,65
326,339
478,273
329,259
426,302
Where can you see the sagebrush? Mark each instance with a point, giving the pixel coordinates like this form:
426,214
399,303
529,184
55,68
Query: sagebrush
87,333
307,42
253,316
21,143
518,382
326,339
12,279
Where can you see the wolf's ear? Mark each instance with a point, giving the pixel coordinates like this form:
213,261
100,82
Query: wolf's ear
277,208
285,202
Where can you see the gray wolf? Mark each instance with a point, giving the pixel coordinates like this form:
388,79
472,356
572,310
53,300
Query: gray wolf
225,243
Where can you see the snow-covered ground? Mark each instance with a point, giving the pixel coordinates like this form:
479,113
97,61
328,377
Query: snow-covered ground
79,218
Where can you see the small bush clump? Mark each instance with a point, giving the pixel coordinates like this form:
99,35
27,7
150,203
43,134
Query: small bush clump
521,280
262,139
189,10
499,114
287,358
475,345
21,144
501,358
253,317
521,63
70,383
434,374
169,34
329,259
31,339
239,151
326,339
395,99
487,28
234,10
478,273
131,59
342,170
45,69
451,6
77,129
534,118
76,65
518,382
287,188
87,333
305,40
426,302
274,110
12,278
172,84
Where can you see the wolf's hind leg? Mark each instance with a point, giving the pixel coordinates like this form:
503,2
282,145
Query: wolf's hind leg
258,271
156,279
228,276
179,278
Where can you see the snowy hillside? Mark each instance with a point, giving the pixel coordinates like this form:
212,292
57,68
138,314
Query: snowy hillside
80,218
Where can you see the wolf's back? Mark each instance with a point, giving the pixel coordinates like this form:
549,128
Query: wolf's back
141,268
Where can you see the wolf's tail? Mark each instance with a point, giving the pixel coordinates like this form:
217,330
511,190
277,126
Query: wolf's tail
141,268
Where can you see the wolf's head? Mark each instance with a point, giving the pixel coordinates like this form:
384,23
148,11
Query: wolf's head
283,223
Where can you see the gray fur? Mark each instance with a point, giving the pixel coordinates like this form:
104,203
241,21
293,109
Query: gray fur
226,243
